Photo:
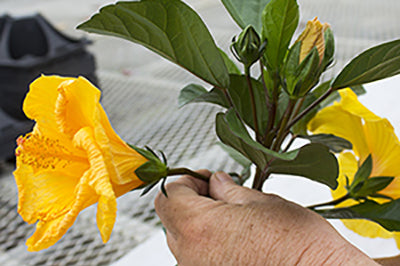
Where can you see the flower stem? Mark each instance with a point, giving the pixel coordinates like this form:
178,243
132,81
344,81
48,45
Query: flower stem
230,101
292,139
298,107
282,133
186,171
253,102
330,203
267,96
309,108
257,183
269,131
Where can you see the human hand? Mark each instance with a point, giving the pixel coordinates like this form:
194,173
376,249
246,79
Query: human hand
222,223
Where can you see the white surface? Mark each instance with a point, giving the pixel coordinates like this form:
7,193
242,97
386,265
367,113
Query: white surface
153,252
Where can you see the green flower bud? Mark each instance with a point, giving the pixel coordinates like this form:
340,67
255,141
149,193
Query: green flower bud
248,47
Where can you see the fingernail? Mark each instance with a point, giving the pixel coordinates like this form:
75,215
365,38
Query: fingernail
223,177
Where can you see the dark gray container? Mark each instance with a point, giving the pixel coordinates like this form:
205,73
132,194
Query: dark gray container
31,46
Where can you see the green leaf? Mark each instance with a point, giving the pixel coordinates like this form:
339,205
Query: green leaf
314,161
235,155
362,174
373,185
240,159
376,63
334,143
233,133
280,19
321,89
292,60
232,67
168,27
282,104
386,214
194,93
247,12
239,92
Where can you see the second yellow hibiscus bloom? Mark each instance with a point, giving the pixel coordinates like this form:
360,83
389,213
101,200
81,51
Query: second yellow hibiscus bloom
369,134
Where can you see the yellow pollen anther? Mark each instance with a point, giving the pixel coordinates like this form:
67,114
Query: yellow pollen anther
42,152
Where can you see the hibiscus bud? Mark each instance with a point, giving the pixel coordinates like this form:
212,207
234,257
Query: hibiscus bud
313,36
310,55
299,78
248,47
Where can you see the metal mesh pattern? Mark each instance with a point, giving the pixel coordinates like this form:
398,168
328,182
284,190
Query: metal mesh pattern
142,107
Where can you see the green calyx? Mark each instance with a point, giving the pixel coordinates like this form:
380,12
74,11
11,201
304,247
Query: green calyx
154,169
248,47
329,51
364,186
300,78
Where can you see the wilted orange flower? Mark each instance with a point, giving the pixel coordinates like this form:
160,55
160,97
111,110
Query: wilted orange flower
71,160
369,134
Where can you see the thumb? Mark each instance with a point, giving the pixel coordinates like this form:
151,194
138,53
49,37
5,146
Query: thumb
223,188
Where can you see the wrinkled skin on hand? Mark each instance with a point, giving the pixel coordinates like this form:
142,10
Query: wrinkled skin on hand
221,223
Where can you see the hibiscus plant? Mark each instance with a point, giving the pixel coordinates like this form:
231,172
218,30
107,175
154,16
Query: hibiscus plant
279,97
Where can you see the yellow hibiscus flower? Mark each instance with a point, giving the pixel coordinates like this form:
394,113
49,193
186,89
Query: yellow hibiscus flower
369,134
71,160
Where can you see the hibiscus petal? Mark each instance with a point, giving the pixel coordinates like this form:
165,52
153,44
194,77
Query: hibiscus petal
39,103
348,166
385,149
49,232
120,158
312,36
99,181
367,228
46,194
46,175
77,105
350,103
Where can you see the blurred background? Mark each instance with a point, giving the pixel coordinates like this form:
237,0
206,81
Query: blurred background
140,92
